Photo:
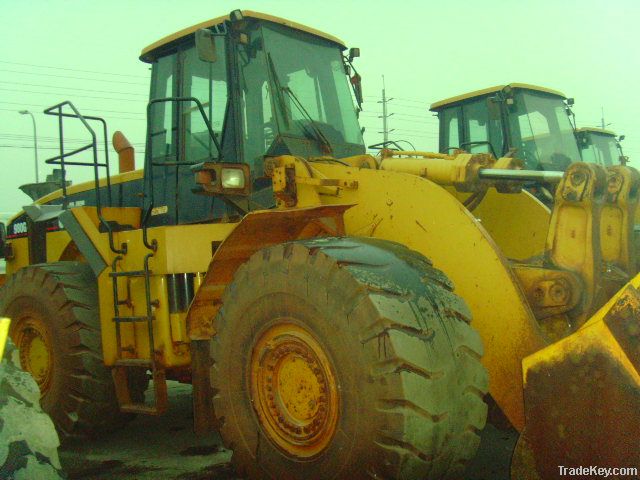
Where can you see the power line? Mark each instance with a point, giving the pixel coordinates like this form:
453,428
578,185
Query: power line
411,100
72,69
423,108
72,78
412,119
421,132
74,88
413,133
140,152
88,110
75,95
415,119
41,139
29,146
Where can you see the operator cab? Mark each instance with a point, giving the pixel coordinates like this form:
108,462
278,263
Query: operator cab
600,146
267,86
528,122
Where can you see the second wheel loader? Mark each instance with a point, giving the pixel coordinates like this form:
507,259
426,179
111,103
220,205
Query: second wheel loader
601,146
520,120
529,122
329,309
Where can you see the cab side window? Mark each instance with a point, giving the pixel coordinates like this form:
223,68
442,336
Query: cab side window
179,136
450,129
483,134
163,133
208,83
163,124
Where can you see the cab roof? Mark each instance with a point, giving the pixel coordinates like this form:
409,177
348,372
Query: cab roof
600,131
148,54
487,91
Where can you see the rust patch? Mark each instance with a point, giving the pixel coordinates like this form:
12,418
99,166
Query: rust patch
624,323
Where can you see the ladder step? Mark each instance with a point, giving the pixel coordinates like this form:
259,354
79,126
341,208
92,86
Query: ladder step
123,393
132,319
134,362
132,273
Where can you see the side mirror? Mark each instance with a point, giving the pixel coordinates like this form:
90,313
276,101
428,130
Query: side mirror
236,16
353,53
493,108
356,81
206,45
620,138
570,102
583,140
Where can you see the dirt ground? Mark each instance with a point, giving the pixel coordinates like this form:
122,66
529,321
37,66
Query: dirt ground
166,448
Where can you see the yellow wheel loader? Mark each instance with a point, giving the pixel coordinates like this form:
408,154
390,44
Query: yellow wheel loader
330,309
525,121
601,146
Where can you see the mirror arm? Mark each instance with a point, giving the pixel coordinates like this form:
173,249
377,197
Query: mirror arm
355,79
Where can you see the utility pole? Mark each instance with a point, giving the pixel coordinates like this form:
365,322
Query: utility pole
35,139
385,128
602,124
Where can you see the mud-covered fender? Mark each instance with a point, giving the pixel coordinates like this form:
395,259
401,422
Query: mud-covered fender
257,230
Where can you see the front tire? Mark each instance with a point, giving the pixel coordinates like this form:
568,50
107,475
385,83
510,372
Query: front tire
346,358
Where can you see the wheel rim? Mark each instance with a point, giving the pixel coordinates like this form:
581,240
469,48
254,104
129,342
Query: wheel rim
32,339
294,391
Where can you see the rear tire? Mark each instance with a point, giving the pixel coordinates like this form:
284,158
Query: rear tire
56,325
395,365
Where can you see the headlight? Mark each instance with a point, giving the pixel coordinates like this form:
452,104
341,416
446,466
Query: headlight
232,178
215,178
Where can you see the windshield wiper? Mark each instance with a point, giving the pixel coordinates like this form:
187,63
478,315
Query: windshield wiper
279,89
315,131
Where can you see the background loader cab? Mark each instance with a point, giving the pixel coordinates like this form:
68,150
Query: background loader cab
601,146
524,121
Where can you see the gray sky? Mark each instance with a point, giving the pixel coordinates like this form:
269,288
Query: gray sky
428,50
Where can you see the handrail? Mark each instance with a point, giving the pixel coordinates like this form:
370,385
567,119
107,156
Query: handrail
56,110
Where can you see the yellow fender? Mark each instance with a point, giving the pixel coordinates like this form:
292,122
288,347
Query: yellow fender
517,222
258,229
423,216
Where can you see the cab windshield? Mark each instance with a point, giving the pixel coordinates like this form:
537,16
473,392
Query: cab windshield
296,96
600,149
541,131
314,84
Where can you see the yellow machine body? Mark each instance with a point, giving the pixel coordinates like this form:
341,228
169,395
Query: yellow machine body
480,252
556,289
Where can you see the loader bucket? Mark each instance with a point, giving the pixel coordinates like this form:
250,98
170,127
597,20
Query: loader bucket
582,395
